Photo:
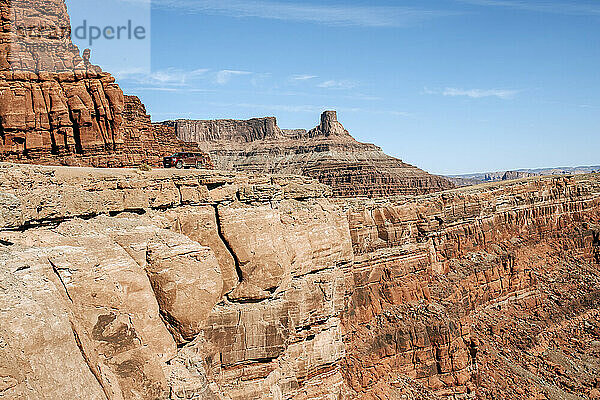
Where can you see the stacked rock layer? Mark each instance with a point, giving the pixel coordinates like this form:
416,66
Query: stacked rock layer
327,153
58,108
121,284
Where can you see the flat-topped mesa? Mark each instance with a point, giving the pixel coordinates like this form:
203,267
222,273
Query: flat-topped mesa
327,152
329,126
228,130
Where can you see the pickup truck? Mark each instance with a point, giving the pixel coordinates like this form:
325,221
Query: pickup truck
186,160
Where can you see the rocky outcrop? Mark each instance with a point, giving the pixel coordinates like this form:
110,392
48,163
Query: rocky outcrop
329,126
478,178
58,108
479,293
123,284
510,175
327,153
152,285
52,101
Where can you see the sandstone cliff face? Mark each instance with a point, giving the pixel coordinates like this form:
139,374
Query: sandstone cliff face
327,153
160,285
121,284
228,130
487,293
58,108
52,101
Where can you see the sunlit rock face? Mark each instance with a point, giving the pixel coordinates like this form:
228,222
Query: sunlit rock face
58,108
122,284
327,153
52,101
488,292
188,284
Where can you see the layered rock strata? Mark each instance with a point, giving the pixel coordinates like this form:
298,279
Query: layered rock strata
487,293
122,284
58,108
161,285
327,153
52,101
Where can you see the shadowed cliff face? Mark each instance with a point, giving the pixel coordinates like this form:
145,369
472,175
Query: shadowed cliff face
327,153
211,285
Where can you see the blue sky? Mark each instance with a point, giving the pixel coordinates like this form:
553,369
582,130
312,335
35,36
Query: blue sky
452,86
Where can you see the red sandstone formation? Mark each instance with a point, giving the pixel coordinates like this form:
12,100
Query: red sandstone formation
125,284
52,102
487,293
327,153
57,108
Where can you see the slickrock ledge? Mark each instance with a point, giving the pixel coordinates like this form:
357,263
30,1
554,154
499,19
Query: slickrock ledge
123,284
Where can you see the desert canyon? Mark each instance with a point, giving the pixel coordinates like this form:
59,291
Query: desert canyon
297,265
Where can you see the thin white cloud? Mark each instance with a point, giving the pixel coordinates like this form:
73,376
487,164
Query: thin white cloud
504,94
157,89
401,114
177,89
333,84
579,8
333,15
224,76
170,76
480,93
303,77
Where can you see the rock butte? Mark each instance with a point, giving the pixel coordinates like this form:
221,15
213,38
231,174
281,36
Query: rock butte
122,284
327,153
58,108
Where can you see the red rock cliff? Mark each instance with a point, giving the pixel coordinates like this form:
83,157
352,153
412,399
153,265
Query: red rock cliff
52,101
327,153
204,284
484,293
58,108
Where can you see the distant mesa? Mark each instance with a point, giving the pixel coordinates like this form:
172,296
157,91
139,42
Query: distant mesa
478,178
328,152
58,108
